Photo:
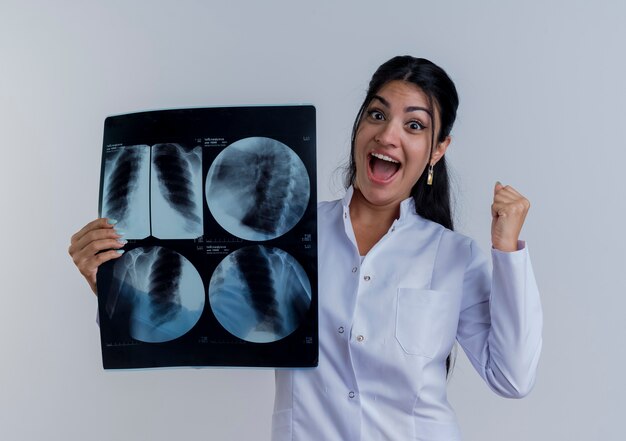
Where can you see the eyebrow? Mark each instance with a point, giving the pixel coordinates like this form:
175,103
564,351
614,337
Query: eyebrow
407,109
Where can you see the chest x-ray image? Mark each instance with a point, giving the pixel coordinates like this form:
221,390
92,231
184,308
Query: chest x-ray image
260,294
158,292
154,190
176,191
219,209
257,202
126,191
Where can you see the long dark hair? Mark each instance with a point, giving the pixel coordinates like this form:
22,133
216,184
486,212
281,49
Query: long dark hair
431,201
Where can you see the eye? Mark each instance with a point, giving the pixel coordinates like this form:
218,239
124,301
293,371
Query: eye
416,125
376,114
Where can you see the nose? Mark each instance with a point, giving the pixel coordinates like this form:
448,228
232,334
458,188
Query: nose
388,134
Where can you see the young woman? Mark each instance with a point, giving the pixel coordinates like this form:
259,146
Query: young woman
397,286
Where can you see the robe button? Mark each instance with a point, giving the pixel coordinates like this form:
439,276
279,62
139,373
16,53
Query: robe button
360,338
340,330
351,394
354,270
367,278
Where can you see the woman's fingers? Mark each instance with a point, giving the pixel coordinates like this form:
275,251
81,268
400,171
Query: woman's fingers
93,249
94,236
100,223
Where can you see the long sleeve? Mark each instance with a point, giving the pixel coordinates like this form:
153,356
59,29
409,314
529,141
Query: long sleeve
501,320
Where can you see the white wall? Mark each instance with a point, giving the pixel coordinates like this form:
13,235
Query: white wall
542,107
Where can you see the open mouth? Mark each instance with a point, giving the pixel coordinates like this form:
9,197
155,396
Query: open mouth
382,167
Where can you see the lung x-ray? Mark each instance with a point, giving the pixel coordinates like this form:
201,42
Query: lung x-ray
219,209
154,190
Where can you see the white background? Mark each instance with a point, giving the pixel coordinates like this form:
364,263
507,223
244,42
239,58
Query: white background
542,108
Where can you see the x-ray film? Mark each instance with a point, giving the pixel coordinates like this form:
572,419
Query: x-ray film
260,294
219,209
261,202
177,191
158,292
125,189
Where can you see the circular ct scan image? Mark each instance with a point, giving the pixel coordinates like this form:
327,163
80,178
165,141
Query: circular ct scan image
161,290
260,294
257,188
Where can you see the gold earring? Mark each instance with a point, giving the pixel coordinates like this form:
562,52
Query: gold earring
429,180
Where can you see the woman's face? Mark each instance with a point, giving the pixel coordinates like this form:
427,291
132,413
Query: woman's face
392,144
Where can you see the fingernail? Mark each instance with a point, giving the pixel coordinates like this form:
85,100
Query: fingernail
120,251
498,183
121,233
122,241
111,221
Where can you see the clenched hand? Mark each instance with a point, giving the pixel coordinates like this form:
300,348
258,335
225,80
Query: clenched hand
508,212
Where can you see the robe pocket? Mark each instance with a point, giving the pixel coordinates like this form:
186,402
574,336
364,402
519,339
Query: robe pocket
425,321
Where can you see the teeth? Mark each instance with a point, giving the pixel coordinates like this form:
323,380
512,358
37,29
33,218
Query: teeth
385,158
